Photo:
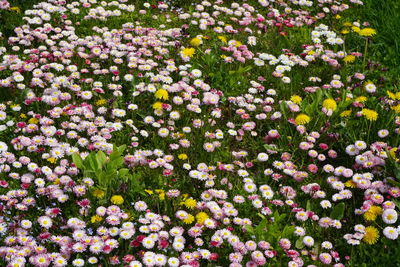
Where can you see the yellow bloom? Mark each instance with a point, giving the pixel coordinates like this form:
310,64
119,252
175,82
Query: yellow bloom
157,105
396,108
337,16
161,94
161,194
311,52
238,43
22,116
222,39
188,52
117,199
367,32
52,160
56,181
345,113
101,102
347,24
96,219
391,95
371,235
98,193
392,152
201,217
329,103
148,191
33,120
195,41
182,156
16,9
355,29
361,99
375,209
350,184
302,119
296,99
349,59
369,114
345,31
372,213
190,203
189,219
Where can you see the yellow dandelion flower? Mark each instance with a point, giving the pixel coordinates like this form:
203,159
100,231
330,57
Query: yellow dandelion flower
296,99
33,121
349,59
371,235
117,200
355,29
396,108
222,39
148,191
195,41
345,31
98,193
161,94
398,95
391,95
369,216
345,113
16,9
201,217
157,105
338,16
329,103
182,156
52,160
189,219
22,116
347,24
375,209
350,184
369,114
238,43
367,32
190,203
101,102
96,219
302,119
392,152
361,99
188,52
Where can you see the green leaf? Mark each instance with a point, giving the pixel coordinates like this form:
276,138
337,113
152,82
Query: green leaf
338,211
249,229
288,231
101,158
308,207
121,149
299,243
76,158
123,172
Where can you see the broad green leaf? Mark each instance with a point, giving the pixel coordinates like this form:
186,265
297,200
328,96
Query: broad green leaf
338,211
76,158
299,243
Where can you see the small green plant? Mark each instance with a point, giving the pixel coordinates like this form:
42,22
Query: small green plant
108,171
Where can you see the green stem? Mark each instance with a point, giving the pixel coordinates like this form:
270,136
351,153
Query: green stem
365,53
